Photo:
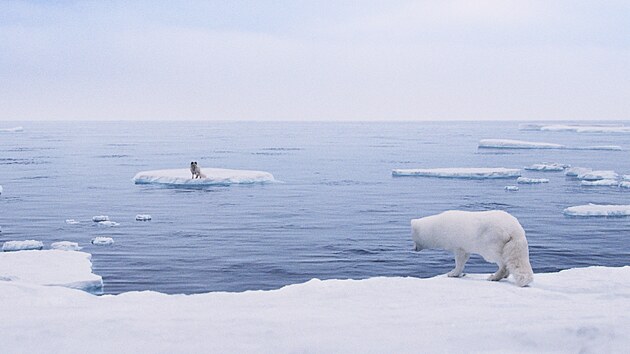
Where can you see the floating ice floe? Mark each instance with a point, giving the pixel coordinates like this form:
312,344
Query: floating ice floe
72,222
547,166
214,176
625,177
527,180
511,188
143,217
598,210
520,144
65,246
577,128
12,130
601,182
598,175
624,184
22,245
99,218
107,223
0,189
467,173
51,268
577,171
102,241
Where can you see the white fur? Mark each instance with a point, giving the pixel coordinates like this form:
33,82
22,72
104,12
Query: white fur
495,235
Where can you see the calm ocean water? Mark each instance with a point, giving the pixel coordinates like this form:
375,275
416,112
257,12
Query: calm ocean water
338,213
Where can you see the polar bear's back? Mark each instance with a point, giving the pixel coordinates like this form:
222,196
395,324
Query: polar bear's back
477,232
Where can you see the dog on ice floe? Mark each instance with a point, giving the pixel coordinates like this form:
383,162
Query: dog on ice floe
495,235
196,170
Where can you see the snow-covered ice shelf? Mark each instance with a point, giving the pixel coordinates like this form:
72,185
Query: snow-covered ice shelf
598,210
214,176
589,308
466,173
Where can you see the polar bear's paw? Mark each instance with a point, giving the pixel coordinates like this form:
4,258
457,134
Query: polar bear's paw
455,274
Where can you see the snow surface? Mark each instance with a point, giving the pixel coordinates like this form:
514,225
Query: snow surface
143,217
72,222
468,173
65,246
102,241
214,176
12,130
598,210
520,144
99,218
577,310
22,245
511,188
49,267
527,180
547,166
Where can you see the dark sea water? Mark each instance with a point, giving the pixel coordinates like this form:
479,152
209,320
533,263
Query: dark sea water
339,213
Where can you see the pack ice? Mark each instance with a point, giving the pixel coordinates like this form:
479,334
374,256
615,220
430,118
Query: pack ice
577,128
22,245
214,176
547,166
527,180
466,173
520,144
598,210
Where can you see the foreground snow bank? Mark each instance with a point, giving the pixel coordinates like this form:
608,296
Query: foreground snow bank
49,267
468,173
579,310
214,176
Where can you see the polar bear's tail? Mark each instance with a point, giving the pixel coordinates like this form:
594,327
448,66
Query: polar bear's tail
516,258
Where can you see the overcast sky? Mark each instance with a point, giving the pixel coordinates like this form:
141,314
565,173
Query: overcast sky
314,60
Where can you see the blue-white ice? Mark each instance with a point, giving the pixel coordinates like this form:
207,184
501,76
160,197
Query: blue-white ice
527,180
511,188
577,171
72,222
547,166
577,128
107,223
600,182
598,210
520,144
214,176
598,175
465,173
100,218
102,241
11,130
143,217
65,246
22,245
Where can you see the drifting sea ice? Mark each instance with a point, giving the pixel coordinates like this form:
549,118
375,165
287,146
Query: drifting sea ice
577,171
22,245
527,180
65,246
143,217
0,189
516,144
214,176
598,210
107,223
102,241
51,267
466,173
624,184
72,222
12,130
546,166
601,182
99,218
598,175
511,188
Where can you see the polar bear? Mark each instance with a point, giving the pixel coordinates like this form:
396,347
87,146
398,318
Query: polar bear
495,235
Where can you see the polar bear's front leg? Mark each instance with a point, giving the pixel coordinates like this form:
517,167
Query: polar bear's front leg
461,257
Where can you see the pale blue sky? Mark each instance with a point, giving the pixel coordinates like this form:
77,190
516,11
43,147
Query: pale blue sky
314,60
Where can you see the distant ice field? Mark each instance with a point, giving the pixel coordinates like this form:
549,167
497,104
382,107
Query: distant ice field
339,212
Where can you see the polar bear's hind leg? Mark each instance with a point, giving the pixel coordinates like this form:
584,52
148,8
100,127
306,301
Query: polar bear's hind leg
500,274
461,257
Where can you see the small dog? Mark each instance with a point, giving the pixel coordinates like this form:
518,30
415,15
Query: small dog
196,171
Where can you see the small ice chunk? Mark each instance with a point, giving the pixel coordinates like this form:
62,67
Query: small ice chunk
99,218
466,173
0,189
12,130
516,144
107,223
22,245
213,176
72,222
586,128
143,217
598,210
624,184
102,241
577,171
601,182
625,177
597,175
65,246
511,188
547,166
527,180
